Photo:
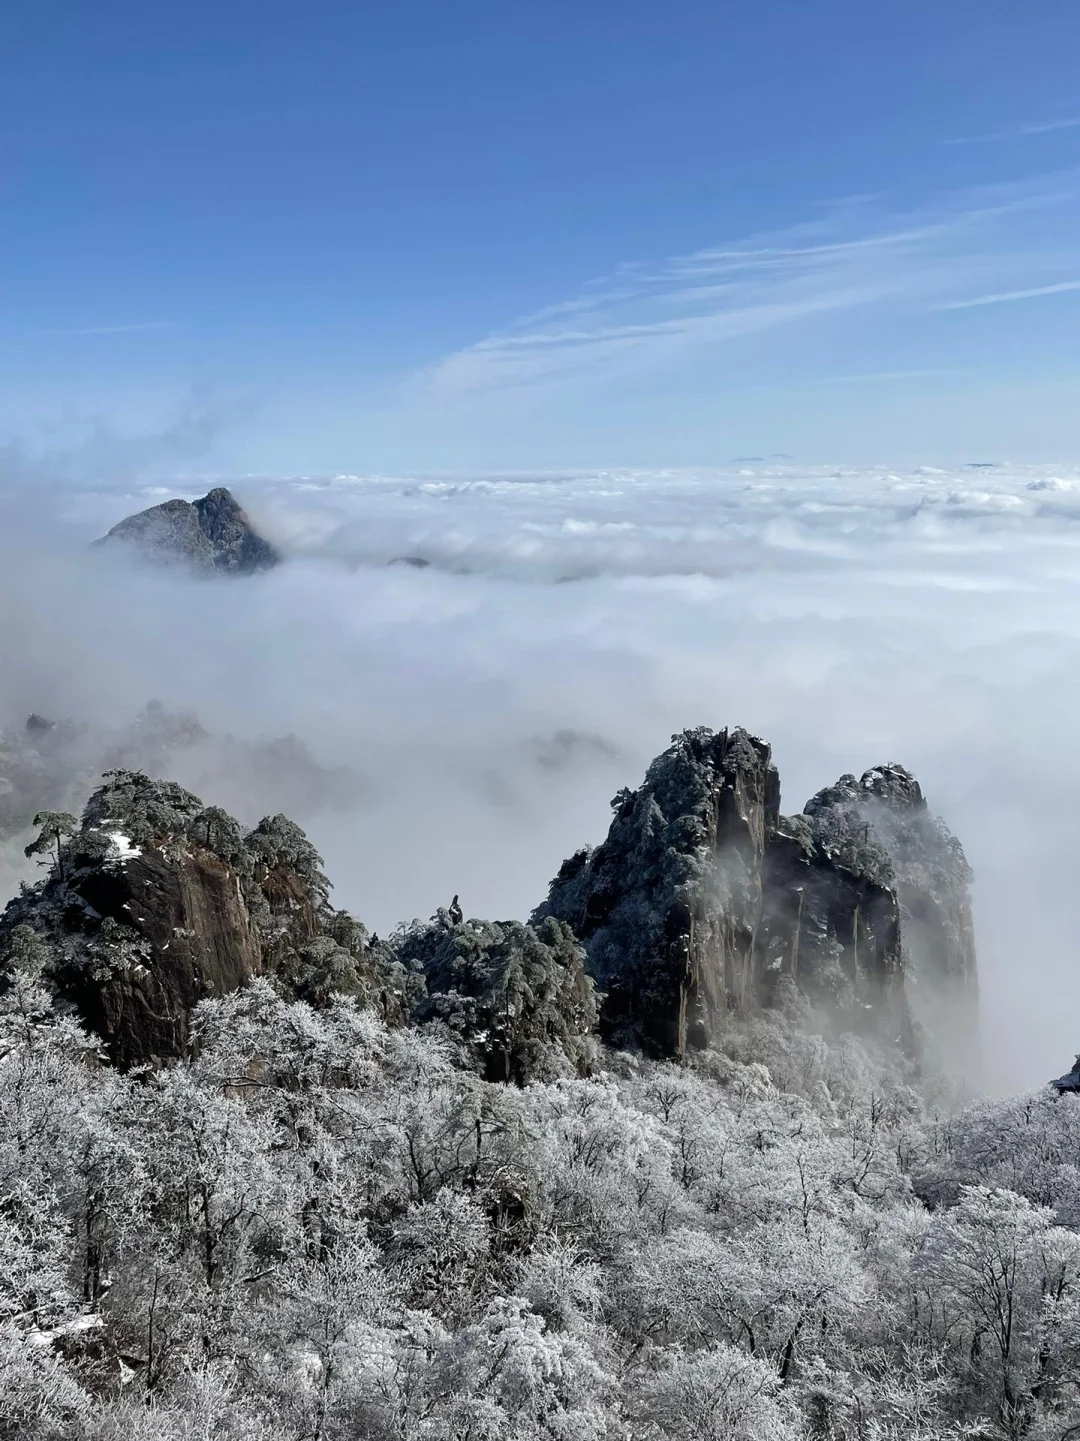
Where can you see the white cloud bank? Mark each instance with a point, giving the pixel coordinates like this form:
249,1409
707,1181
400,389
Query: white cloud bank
565,625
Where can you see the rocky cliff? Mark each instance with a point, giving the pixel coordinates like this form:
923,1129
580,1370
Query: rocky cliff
154,901
669,905
211,535
703,899
702,902
930,874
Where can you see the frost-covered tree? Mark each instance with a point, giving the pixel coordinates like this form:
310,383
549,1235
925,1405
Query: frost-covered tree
515,997
1007,1281
320,1223
53,828
278,845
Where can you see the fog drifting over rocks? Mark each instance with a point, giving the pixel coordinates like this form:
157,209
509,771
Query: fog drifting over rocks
540,636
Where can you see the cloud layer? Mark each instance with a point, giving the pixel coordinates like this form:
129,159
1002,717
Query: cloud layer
540,636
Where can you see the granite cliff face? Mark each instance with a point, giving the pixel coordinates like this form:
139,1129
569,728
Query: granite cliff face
155,901
669,905
211,535
703,899
931,876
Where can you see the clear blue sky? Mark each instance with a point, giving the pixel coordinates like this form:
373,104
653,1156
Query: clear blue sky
445,235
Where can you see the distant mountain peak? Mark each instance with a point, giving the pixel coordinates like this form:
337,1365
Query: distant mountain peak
211,535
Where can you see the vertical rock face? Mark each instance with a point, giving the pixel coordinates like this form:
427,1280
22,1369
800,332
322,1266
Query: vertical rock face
831,923
234,543
181,930
931,880
703,898
669,904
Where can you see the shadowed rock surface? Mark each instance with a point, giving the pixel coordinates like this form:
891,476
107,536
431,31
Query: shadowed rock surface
703,898
158,901
831,923
211,535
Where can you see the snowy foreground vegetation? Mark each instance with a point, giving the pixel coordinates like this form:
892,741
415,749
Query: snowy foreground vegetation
324,1227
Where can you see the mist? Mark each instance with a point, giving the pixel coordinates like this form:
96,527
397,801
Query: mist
479,663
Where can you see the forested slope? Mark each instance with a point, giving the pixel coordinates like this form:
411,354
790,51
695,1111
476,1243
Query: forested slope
426,1188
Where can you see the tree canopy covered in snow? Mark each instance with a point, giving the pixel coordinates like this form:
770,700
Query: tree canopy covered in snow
323,1226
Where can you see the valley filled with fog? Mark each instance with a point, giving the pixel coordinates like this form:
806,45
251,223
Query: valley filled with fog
479,663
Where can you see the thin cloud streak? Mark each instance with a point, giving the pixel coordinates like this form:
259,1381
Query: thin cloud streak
1006,295
1014,132
644,316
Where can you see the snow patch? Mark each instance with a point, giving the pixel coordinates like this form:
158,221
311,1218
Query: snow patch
124,845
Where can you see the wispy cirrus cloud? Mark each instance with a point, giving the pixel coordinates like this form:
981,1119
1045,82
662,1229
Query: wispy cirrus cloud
1017,132
1060,288
855,257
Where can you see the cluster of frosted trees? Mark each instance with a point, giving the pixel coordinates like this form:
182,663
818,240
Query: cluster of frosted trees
321,1229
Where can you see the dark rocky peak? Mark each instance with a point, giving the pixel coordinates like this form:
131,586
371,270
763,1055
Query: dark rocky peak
930,872
210,535
893,786
704,900
717,775
39,726
1069,1084
668,905
154,901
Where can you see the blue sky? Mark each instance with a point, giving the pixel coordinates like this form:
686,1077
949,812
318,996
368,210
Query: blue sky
279,237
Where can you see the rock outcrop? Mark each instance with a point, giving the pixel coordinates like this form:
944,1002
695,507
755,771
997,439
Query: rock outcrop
1069,1084
156,901
669,905
930,876
704,900
211,536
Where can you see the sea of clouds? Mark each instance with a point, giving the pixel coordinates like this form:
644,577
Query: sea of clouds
493,657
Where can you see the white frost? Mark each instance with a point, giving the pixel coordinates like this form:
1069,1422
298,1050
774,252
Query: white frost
123,844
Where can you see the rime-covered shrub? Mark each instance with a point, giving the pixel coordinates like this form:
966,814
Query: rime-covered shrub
515,998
